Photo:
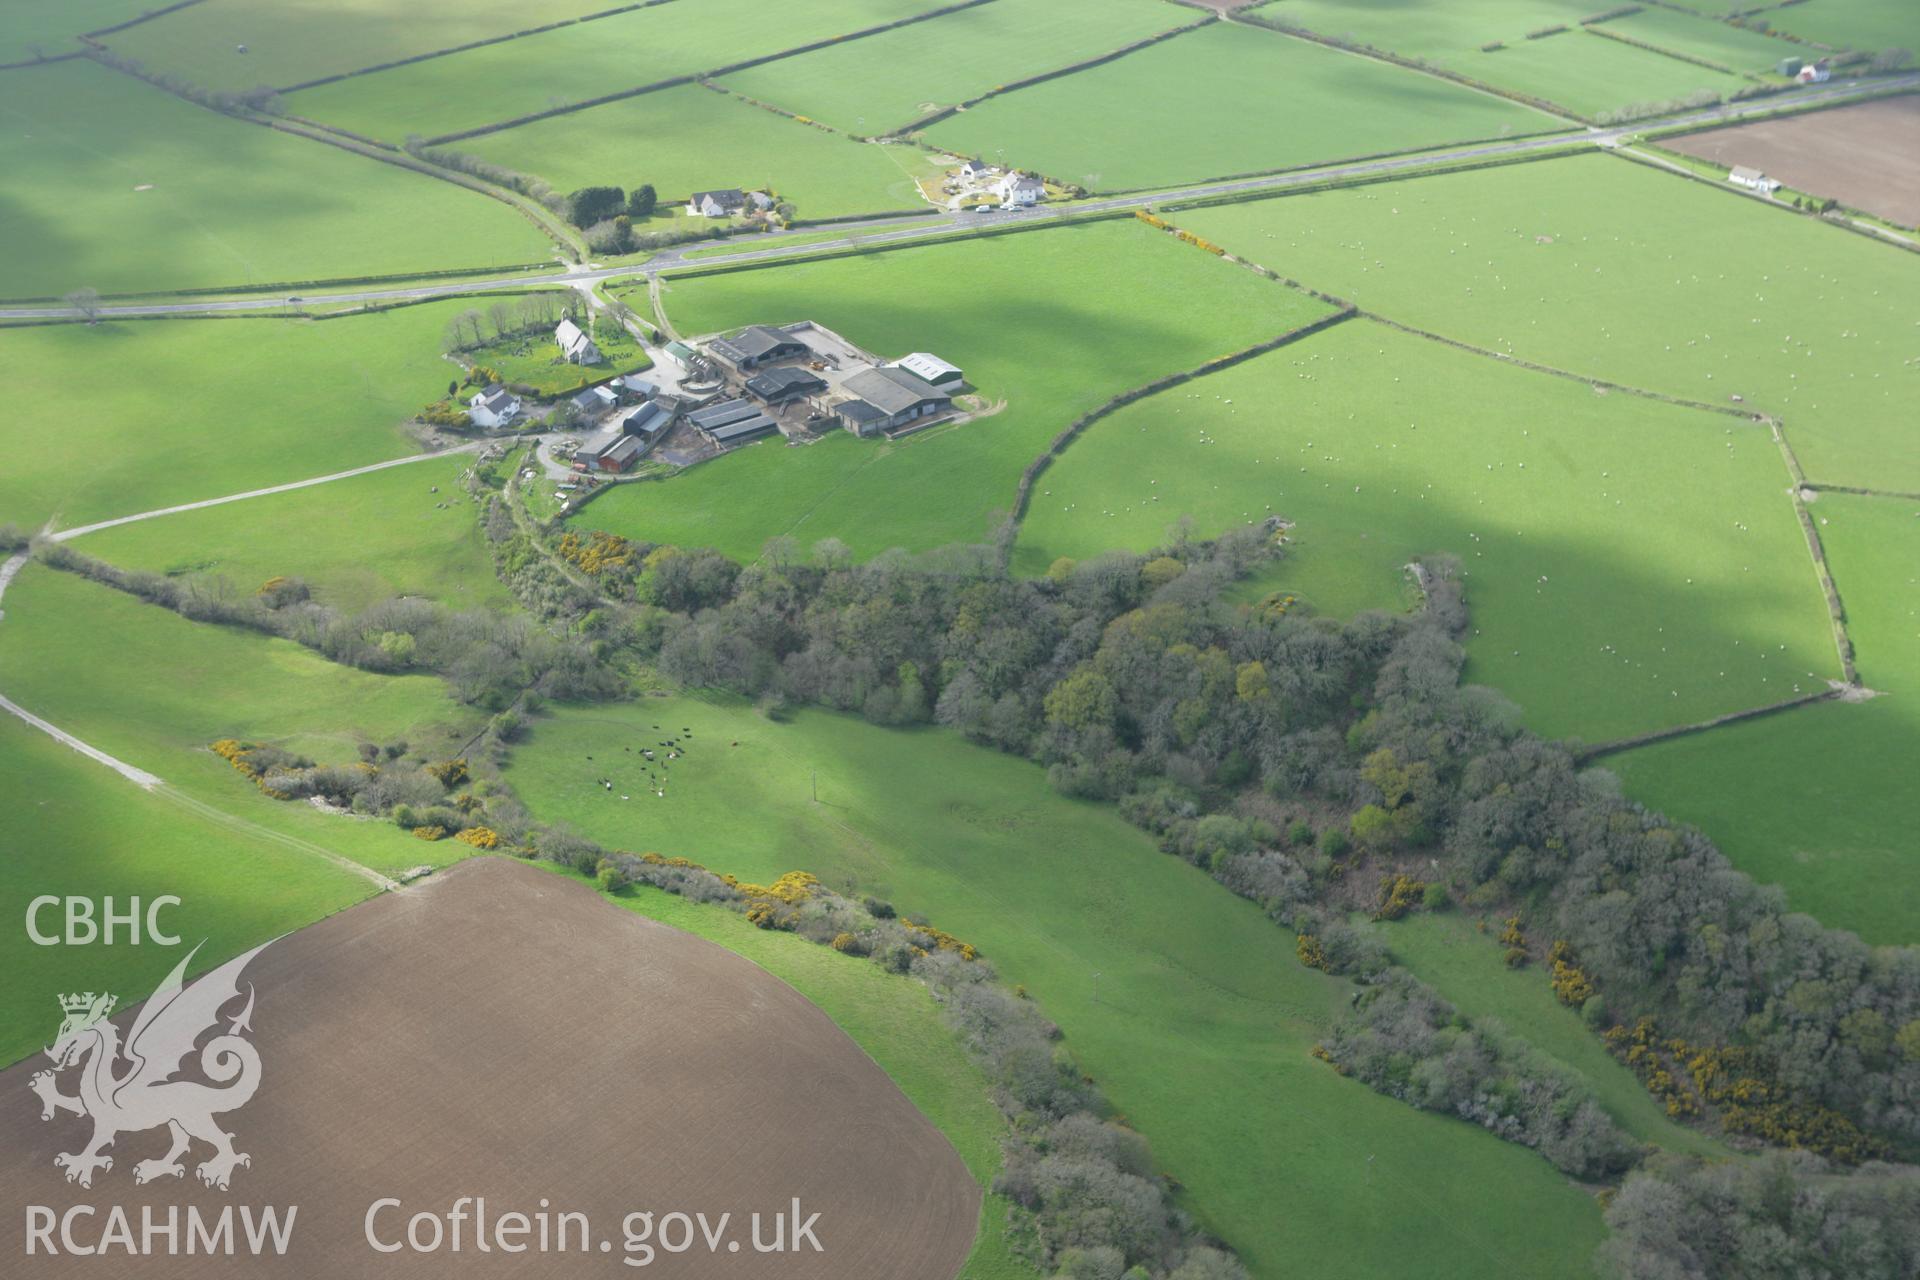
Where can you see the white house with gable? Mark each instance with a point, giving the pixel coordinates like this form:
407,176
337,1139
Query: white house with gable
1019,191
1752,180
575,345
493,408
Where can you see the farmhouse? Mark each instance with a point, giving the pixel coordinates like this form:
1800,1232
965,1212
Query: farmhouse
1019,191
732,422
1815,73
882,399
754,346
575,345
1753,180
931,369
784,384
492,408
716,204
975,169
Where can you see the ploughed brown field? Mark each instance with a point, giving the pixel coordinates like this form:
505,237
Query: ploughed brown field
1862,156
498,1031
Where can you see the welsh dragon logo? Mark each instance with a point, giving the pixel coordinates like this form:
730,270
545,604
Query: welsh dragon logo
131,1087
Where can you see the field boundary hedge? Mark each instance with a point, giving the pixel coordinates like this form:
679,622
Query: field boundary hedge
470,45
233,109
1027,82
1412,64
1675,54
43,62
1116,193
692,77
148,16
1746,416
1586,755
1023,492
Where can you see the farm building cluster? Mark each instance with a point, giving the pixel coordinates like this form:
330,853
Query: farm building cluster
800,381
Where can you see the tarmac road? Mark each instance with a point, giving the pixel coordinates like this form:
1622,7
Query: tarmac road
882,230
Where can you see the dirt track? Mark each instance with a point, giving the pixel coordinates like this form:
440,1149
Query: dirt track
1861,156
499,1031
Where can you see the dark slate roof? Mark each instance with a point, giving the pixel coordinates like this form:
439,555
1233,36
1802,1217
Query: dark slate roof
597,445
719,415
892,390
859,411
726,196
647,419
745,429
753,343
625,450
784,380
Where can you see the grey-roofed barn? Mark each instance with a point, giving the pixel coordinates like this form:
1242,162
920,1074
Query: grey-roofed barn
754,346
898,397
788,382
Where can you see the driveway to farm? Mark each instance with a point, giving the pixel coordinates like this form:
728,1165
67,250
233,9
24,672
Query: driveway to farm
883,230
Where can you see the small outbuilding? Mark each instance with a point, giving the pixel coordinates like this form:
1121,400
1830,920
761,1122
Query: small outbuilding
1752,180
594,400
611,450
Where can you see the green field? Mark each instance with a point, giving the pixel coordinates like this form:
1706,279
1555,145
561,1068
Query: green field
180,410
695,139
1202,1019
116,185
585,60
1463,963
1852,24
44,30
1720,42
287,44
1048,322
1821,799
355,541
1593,76
1611,269
1584,73
1630,564
1179,112
153,689
71,826
889,80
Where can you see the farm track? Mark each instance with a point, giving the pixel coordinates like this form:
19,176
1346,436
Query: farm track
962,225
151,782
